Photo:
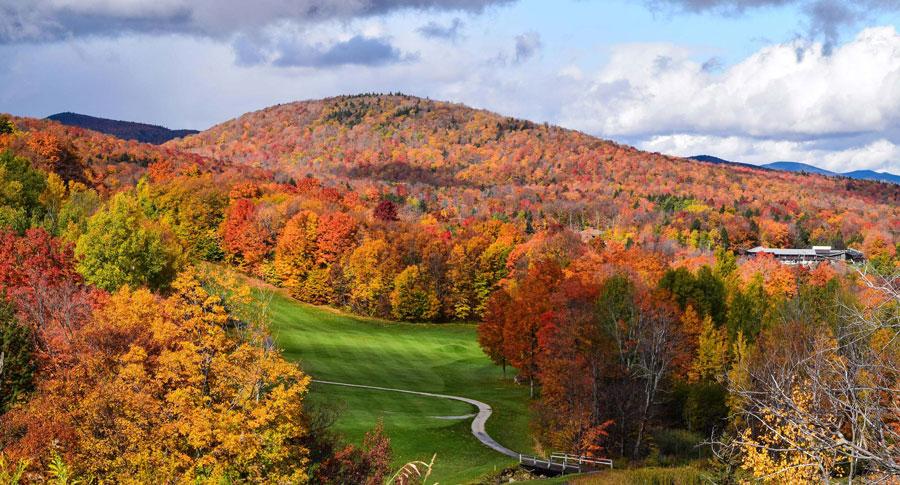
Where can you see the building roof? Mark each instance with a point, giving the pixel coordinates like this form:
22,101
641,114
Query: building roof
783,252
820,251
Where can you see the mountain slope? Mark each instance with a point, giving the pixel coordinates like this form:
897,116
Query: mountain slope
102,161
396,138
872,175
720,161
856,174
798,167
126,130
453,164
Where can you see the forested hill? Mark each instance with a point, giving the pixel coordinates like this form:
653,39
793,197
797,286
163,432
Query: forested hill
101,161
401,138
473,162
126,130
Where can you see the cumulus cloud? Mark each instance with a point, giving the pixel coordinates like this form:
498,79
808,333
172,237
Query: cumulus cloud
826,18
650,89
840,111
878,155
52,20
439,31
527,45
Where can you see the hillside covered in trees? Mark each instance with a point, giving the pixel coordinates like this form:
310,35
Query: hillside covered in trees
127,130
578,257
477,163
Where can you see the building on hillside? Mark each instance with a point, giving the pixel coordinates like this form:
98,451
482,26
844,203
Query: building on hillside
809,256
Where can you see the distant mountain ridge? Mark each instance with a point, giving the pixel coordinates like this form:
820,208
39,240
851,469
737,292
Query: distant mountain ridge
720,161
799,167
126,130
807,168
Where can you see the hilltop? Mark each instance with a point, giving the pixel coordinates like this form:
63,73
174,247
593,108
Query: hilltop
102,161
807,168
479,162
398,138
126,130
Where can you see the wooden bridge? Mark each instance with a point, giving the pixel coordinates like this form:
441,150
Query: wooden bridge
562,463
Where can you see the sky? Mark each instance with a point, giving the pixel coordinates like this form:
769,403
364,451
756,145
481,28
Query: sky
756,81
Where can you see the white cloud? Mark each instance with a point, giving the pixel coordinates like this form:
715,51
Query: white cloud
841,111
879,155
788,101
790,90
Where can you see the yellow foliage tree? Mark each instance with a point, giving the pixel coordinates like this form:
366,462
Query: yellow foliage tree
413,298
712,353
738,376
781,450
295,253
178,390
370,270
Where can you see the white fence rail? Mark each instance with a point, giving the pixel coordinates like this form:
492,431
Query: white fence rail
565,463
582,460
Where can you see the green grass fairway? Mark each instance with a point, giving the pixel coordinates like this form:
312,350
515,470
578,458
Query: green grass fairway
441,358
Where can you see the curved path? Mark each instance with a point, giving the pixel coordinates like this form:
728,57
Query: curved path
484,412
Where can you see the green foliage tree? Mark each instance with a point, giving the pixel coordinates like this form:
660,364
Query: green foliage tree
726,263
705,291
122,247
16,361
747,310
712,288
6,126
21,187
80,204
704,407
193,207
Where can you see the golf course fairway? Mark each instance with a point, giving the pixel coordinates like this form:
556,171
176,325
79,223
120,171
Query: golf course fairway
437,358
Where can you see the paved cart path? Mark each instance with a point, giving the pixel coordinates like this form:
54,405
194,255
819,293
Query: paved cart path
484,412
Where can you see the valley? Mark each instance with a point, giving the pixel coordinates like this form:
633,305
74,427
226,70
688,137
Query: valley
407,244
442,358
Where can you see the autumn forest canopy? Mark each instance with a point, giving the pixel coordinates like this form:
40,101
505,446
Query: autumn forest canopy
611,283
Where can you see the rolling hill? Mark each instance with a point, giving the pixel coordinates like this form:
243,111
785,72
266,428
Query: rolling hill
404,139
456,162
807,168
798,167
855,174
126,130
105,162
721,161
872,175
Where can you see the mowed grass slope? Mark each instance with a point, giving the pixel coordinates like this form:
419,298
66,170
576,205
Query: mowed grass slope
441,358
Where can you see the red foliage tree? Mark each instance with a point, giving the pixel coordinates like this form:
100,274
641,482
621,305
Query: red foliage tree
368,465
37,273
244,241
385,211
337,236
530,309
